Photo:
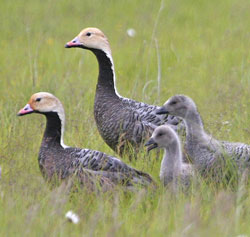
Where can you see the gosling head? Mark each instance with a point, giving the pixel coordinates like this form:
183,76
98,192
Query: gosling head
178,105
42,102
163,136
90,38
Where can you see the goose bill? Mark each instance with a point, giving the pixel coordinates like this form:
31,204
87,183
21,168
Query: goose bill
151,144
73,43
25,110
161,110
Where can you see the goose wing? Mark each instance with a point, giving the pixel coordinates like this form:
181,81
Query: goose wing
147,113
239,152
96,160
93,179
136,129
109,166
140,178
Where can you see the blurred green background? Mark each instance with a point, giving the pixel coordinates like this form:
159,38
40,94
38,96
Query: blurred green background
194,47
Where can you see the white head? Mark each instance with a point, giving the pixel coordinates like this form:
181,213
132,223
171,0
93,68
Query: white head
44,102
163,137
178,105
90,38
93,39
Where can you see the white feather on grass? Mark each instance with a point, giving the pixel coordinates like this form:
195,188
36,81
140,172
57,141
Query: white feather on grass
72,217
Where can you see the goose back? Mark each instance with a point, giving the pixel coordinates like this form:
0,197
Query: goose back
120,121
56,159
206,152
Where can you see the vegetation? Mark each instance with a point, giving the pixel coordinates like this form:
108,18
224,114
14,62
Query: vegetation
196,47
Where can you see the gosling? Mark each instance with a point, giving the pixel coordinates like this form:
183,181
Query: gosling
207,153
173,170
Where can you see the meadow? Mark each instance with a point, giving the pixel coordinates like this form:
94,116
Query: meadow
194,47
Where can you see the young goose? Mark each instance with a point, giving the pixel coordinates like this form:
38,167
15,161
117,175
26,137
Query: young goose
205,151
55,158
173,168
120,120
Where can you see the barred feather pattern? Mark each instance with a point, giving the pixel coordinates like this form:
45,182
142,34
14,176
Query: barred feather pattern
122,121
206,152
214,155
64,162
147,113
58,161
239,152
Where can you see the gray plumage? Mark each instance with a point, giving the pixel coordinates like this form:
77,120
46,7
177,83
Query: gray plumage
206,152
173,170
120,121
56,159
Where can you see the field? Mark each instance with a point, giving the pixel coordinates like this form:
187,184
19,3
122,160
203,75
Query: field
194,47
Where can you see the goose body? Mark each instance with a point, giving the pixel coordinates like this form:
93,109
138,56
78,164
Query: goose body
173,170
57,159
205,151
120,120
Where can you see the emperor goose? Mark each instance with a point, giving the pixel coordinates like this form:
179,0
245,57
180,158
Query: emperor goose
55,158
120,121
205,151
173,169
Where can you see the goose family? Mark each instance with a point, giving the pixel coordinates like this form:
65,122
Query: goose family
205,151
173,170
120,121
57,159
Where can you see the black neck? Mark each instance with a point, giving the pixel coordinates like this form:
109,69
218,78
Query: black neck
106,74
52,134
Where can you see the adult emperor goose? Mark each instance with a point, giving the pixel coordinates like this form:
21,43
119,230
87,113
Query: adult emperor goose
173,170
205,151
55,158
120,121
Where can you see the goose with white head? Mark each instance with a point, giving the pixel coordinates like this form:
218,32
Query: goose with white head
206,152
173,170
120,120
57,159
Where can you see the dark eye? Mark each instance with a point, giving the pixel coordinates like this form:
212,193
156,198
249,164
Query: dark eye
38,99
88,34
173,103
160,134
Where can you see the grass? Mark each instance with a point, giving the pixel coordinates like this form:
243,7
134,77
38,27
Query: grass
203,47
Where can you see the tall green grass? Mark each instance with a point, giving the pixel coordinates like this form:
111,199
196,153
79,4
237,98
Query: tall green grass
203,47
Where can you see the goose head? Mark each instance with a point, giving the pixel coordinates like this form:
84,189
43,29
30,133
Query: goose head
43,102
90,38
178,105
163,136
